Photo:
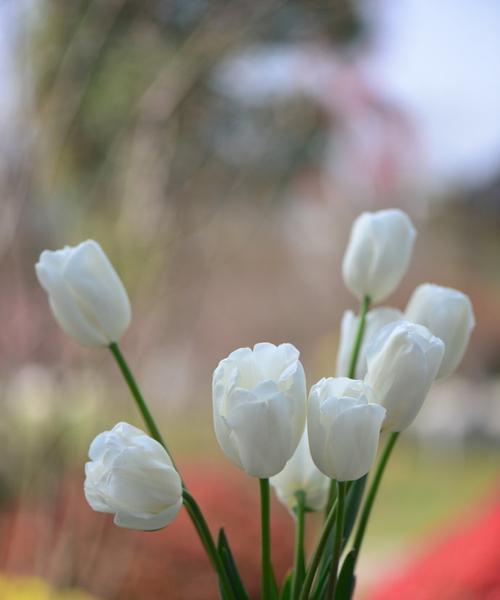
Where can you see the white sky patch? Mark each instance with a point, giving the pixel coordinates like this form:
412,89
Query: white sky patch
439,60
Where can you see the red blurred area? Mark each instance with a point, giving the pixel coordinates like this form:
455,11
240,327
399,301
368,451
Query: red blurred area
462,565
64,541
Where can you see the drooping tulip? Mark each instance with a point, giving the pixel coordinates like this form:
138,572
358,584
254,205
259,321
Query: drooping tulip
131,475
259,406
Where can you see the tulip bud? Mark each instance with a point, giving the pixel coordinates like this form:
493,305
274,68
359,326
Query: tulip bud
375,320
85,294
132,476
448,314
259,405
378,253
403,361
343,423
301,475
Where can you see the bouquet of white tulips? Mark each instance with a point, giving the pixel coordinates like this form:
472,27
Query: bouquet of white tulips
315,449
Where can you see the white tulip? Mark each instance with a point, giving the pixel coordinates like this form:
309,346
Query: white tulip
378,253
259,406
131,475
448,314
375,320
85,294
403,361
343,423
301,475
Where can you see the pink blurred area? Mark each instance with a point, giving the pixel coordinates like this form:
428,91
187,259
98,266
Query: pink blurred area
461,562
64,541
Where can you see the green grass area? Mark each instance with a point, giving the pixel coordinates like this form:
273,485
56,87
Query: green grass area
426,489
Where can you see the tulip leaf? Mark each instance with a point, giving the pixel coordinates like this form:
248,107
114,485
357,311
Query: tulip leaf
319,592
354,497
222,593
274,589
230,566
286,590
347,579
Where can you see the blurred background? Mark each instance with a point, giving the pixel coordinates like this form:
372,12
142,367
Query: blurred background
219,152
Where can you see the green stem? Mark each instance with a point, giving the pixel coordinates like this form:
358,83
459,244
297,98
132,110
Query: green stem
372,493
265,520
201,526
190,503
332,495
299,556
365,305
136,393
318,553
337,544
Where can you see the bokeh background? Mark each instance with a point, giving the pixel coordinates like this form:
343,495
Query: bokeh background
219,151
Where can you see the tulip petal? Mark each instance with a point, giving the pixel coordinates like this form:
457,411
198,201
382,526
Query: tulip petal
149,523
301,474
131,475
85,294
99,290
354,440
262,434
375,320
449,315
403,361
259,406
378,253
66,310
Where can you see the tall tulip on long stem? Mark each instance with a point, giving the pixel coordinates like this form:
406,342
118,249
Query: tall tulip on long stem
259,411
378,253
344,428
86,296
353,362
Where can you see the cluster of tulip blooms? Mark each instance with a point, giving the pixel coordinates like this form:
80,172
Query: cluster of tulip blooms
315,450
